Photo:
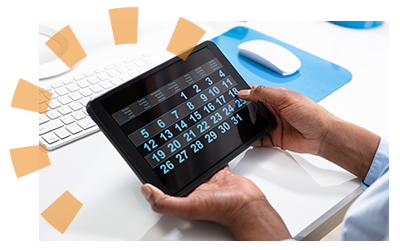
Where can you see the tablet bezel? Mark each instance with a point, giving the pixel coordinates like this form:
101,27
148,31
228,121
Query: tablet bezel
129,152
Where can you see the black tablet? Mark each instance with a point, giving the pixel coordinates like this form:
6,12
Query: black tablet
179,123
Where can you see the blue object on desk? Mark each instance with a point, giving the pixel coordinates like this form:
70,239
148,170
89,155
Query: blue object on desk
358,24
317,78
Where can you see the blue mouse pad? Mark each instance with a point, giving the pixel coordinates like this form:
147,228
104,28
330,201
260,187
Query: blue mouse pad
317,78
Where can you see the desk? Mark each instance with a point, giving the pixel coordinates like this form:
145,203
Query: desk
113,208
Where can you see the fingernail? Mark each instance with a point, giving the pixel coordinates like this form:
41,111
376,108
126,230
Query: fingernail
244,92
146,191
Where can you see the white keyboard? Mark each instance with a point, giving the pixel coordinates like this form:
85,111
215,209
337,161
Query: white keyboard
66,119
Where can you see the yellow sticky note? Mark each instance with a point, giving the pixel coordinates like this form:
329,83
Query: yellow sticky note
185,37
29,159
62,212
30,97
124,23
72,52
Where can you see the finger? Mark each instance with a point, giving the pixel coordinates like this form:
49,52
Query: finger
265,141
222,173
252,86
257,144
272,95
165,204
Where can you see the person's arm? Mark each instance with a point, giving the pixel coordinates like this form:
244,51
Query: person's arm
350,146
305,127
228,199
234,201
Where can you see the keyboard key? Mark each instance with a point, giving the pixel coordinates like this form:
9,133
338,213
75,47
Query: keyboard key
134,73
62,133
42,98
140,63
125,77
75,106
79,115
50,138
103,76
54,95
132,66
86,92
68,119
65,100
73,87
116,81
86,123
68,81
84,101
83,84
75,96
49,126
96,88
112,73
43,119
106,85
57,85
122,69
89,73
54,104
61,91
151,59
93,80
47,88
54,114
64,110
74,128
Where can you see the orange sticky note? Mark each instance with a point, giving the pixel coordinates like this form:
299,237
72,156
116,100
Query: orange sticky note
29,159
62,212
26,97
185,37
124,23
72,52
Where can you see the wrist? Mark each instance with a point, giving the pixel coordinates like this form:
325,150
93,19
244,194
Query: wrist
331,137
349,146
258,220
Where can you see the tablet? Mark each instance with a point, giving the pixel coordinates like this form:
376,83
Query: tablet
180,122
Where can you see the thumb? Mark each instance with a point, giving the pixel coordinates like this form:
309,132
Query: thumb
165,204
273,95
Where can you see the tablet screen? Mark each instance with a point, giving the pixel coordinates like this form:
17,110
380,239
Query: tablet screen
185,118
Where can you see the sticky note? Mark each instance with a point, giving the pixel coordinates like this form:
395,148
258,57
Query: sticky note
62,212
30,97
72,52
27,160
124,23
185,37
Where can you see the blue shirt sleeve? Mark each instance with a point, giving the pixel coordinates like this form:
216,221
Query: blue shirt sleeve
379,166
368,217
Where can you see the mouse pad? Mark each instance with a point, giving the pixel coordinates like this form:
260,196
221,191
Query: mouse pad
317,78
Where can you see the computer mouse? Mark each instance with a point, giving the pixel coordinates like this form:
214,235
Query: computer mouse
271,55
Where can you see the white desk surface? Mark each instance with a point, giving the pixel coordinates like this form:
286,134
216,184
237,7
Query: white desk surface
304,195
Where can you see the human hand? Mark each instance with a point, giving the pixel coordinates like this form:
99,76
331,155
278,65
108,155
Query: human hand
225,198
301,123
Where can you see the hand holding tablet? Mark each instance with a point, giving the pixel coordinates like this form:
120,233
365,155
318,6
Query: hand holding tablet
179,123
